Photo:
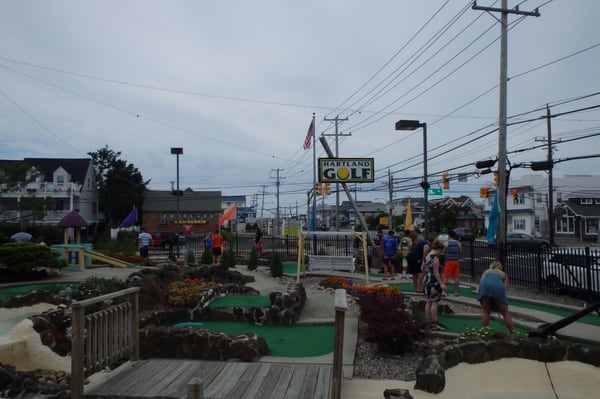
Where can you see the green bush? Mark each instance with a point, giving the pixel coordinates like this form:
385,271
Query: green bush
126,243
171,256
253,260
190,258
207,258
276,266
228,258
25,257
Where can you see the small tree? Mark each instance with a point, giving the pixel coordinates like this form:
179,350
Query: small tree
276,266
228,259
207,258
171,256
190,258
253,261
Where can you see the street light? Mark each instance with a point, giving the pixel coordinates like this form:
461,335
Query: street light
177,151
412,125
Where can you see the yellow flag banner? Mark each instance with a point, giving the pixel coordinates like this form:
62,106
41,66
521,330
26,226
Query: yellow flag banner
408,221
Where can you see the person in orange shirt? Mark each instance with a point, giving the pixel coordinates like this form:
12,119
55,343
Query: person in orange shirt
217,247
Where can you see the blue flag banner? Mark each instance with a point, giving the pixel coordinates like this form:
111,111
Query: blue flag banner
493,220
131,219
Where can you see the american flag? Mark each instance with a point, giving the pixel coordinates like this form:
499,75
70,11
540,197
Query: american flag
309,135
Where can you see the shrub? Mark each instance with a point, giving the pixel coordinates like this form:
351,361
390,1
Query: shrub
96,286
207,258
184,293
25,257
276,266
253,260
171,256
359,290
190,258
388,324
227,259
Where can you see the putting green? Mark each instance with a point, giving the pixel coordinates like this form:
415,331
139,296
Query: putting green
243,301
284,341
14,290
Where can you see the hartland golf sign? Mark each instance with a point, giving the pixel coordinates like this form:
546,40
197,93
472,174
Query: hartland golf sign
346,170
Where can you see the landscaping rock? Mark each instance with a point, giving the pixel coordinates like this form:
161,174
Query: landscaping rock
199,343
397,394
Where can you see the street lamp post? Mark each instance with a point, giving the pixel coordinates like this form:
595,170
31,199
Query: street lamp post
177,151
412,125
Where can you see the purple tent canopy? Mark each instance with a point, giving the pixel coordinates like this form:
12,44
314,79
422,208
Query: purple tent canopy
73,219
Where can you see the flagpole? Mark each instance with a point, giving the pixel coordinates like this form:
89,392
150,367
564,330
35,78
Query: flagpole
314,207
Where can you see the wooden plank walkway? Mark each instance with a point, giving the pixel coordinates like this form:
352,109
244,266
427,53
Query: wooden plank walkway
169,378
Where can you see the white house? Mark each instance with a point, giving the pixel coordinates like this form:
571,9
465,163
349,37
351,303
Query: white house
68,183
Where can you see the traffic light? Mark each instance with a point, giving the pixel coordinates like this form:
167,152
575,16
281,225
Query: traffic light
327,189
445,181
495,179
319,188
515,195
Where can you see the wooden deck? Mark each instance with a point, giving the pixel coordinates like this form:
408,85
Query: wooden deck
169,378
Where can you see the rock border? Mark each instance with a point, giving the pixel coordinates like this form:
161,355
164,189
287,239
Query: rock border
431,371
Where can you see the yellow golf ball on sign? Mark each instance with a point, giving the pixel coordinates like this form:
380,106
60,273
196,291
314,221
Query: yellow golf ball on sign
343,173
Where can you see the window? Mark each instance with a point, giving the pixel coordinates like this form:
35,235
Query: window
566,224
591,226
60,180
520,199
586,201
519,224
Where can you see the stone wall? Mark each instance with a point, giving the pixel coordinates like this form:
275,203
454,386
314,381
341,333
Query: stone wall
199,343
285,308
431,370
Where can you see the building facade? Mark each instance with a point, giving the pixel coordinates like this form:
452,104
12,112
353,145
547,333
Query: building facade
62,184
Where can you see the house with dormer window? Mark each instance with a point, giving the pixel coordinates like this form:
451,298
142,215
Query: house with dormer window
48,189
578,217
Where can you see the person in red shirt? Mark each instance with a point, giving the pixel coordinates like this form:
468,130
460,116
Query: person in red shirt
217,247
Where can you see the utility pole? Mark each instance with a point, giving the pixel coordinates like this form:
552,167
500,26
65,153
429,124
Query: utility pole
391,190
262,205
337,155
550,179
277,183
550,165
502,173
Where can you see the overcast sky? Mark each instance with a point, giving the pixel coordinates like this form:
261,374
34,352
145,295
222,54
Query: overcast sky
235,83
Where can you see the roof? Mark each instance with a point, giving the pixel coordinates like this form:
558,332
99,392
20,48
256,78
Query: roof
73,219
190,201
581,209
76,167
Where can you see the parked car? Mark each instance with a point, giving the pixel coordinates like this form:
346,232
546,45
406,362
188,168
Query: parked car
522,240
464,234
167,240
571,272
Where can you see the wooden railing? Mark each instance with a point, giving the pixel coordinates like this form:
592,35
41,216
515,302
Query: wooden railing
104,337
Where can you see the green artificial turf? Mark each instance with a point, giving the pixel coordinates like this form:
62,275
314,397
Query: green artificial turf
283,341
246,301
14,290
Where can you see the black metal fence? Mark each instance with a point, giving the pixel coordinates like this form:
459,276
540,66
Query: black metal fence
575,269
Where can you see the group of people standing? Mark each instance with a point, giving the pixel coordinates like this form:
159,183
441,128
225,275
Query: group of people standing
433,263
